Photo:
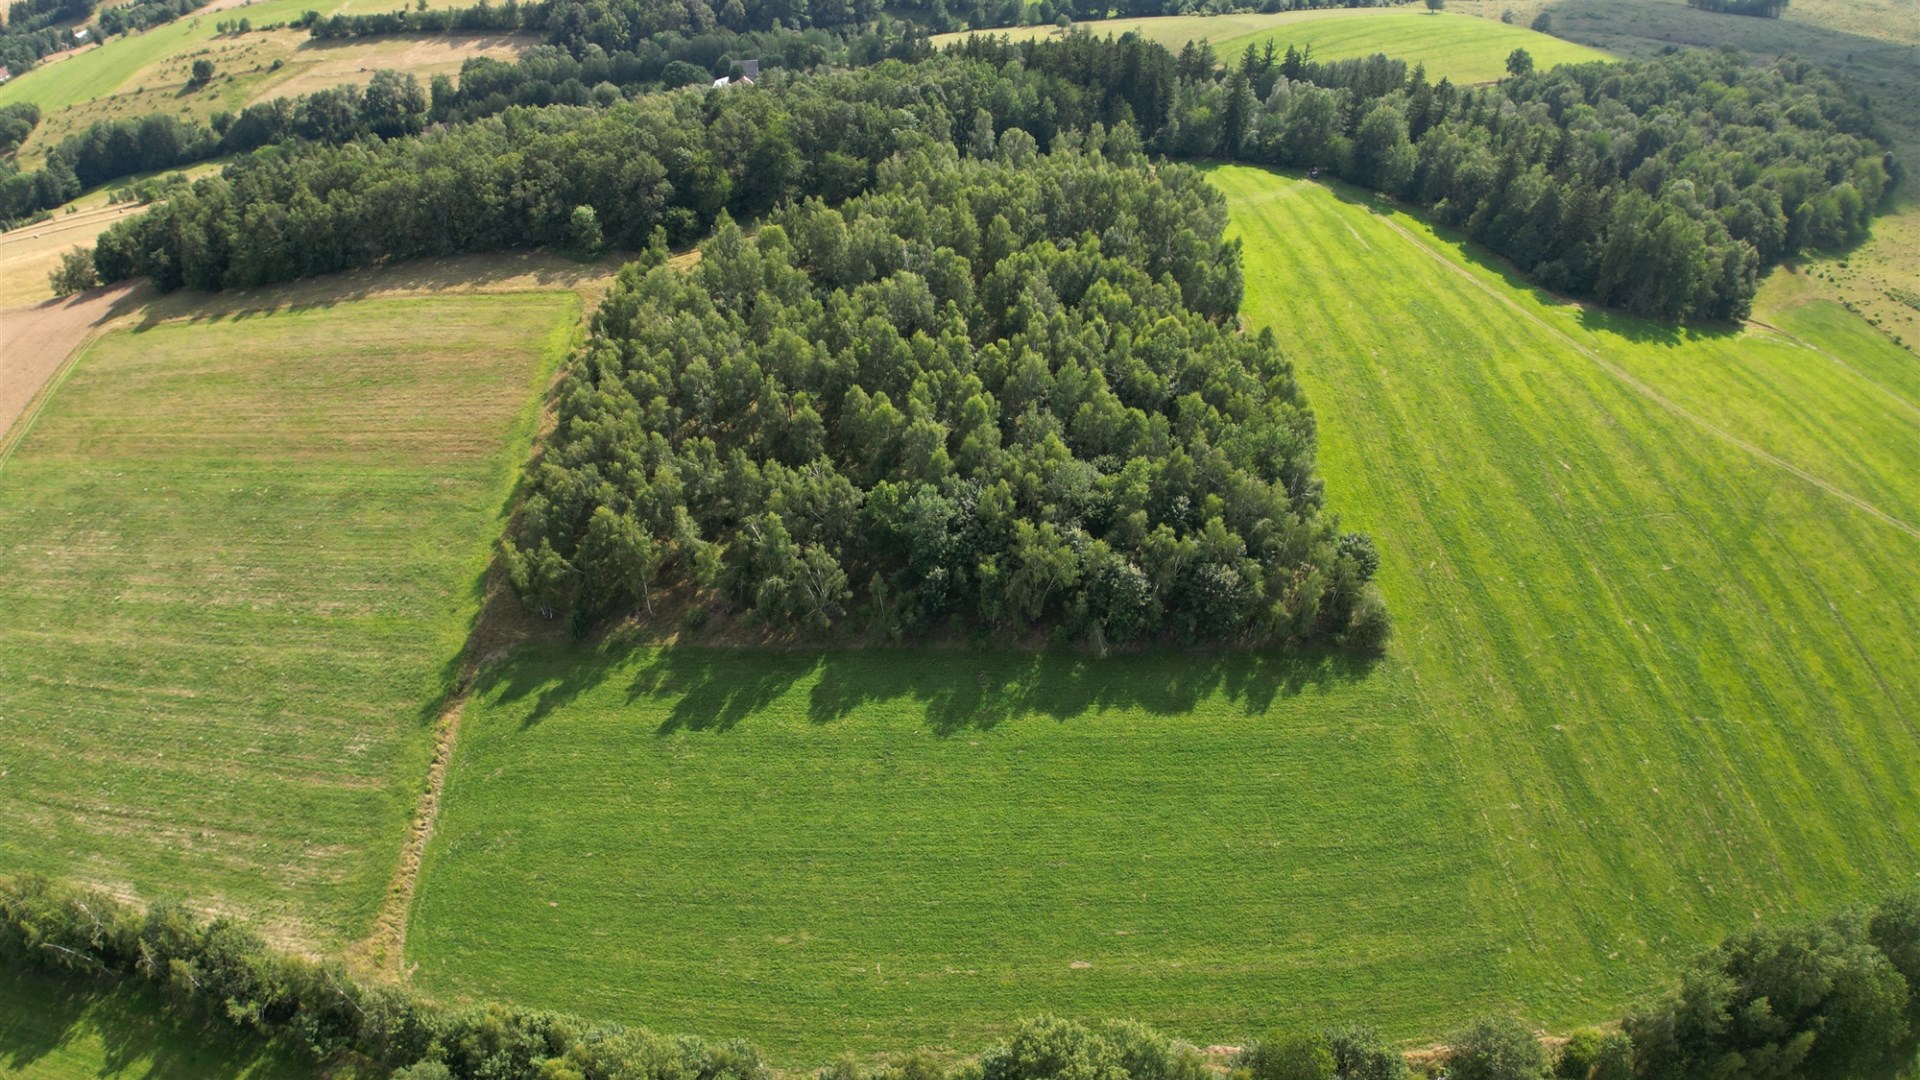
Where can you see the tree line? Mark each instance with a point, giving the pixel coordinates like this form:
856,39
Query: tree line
1836,999
673,161
624,25
1663,187
1002,390
393,104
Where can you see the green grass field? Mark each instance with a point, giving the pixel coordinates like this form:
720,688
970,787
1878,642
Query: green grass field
238,557
1464,49
1654,680
55,1029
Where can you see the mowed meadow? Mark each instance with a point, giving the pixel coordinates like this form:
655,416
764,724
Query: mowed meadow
1459,47
239,558
1654,680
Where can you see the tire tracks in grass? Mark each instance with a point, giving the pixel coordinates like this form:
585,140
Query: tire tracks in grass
1638,386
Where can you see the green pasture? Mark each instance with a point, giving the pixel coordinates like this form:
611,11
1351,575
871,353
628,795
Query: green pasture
59,1029
1458,47
239,557
1654,680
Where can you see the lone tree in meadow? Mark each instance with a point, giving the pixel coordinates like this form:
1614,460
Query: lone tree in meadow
1435,5
202,73
1519,62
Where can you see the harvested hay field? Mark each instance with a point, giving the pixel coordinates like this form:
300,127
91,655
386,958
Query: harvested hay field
240,554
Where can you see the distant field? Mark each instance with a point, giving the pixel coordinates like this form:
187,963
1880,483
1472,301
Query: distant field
1466,50
237,557
148,72
52,1030
1653,681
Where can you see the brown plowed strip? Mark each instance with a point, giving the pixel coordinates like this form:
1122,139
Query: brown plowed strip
37,342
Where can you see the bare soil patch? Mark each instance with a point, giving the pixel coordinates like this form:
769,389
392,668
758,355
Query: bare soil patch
36,342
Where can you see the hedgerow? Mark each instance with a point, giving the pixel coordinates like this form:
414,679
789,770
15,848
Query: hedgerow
1827,999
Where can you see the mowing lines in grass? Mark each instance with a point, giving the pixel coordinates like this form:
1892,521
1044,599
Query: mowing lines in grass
821,851
1681,677
1647,686
237,557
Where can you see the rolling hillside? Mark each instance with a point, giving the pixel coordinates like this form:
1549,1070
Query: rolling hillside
1653,681
147,72
1464,49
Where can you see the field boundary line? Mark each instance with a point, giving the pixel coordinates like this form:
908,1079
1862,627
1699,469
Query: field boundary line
11,439
1640,387
1794,339
384,947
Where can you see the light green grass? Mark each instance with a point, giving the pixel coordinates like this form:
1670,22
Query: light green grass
1649,686
237,558
57,1029
1458,47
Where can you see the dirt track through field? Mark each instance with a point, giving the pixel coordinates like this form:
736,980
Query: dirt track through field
36,344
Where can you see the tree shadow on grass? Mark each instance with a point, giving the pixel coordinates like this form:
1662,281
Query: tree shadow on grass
953,690
42,1014
960,691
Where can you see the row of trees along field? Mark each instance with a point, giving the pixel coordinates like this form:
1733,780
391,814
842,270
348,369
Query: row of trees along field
1768,9
623,25
1831,1000
1663,186
131,18
393,104
1001,391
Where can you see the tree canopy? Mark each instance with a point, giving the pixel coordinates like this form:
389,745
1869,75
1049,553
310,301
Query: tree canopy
1663,187
1003,390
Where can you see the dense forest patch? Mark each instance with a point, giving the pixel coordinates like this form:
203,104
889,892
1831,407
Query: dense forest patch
1007,392
1663,187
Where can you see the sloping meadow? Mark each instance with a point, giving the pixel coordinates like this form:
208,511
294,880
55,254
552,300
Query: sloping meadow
1649,679
239,557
